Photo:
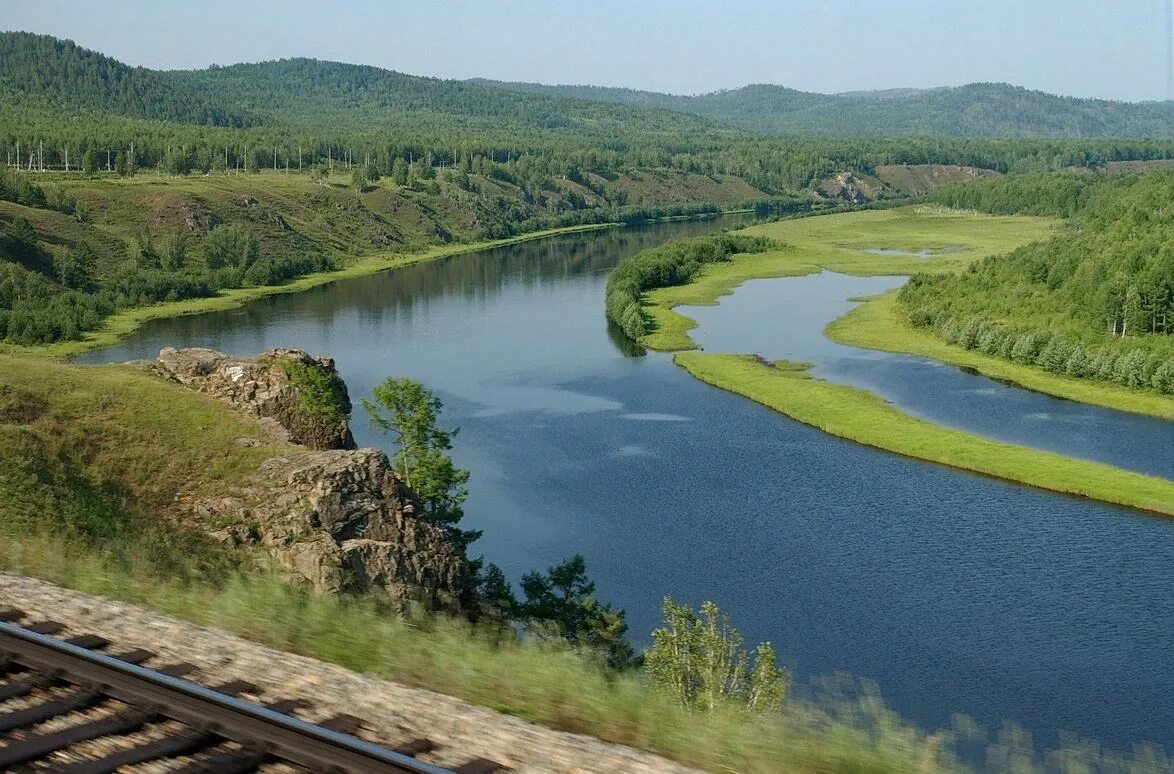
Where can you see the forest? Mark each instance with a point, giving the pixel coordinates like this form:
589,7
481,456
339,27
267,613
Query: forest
1094,303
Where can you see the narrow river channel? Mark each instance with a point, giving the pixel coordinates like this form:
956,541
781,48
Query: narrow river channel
953,592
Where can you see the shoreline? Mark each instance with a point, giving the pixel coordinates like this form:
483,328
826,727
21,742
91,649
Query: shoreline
871,420
874,325
129,320
865,418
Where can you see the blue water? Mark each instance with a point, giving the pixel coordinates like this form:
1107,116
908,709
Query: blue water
953,592
784,318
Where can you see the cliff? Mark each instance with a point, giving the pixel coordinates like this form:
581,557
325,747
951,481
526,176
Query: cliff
322,511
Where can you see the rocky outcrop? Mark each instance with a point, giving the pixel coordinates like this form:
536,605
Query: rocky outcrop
343,521
330,515
304,395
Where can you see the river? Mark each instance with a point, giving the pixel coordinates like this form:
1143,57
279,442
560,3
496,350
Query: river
955,593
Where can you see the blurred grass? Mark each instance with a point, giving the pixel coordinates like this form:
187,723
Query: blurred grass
545,684
93,458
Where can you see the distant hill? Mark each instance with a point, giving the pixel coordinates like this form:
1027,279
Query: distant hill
974,110
301,92
63,72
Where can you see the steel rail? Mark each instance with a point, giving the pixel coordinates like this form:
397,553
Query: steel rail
257,728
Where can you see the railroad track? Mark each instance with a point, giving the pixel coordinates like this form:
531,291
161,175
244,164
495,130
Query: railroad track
81,705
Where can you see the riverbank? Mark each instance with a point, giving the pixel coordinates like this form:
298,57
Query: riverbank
858,415
868,243
127,321
886,243
877,324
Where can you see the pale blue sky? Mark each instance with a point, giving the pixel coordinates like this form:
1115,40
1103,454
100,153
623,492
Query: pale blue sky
1094,48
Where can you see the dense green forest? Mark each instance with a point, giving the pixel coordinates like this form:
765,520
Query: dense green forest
973,110
1095,303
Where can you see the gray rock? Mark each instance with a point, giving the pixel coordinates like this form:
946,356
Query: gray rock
264,388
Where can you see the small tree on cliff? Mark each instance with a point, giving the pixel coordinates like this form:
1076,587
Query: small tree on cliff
410,411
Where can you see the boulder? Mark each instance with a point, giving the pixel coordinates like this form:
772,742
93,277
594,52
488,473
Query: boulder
303,395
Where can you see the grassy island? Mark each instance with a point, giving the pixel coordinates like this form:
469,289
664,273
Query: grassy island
888,242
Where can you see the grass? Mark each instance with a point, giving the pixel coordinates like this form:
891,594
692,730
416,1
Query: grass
860,416
836,242
878,324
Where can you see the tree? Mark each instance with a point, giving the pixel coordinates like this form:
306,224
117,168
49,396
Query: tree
89,163
699,660
175,250
75,268
410,411
373,173
359,179
561,603
399,172
230,245
22,232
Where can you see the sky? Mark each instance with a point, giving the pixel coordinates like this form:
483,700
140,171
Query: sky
1116,49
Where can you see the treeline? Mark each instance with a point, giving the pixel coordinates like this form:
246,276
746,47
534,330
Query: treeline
1096,304
1059,194
675,263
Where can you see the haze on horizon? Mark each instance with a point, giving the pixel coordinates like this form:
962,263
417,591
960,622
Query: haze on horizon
1084,48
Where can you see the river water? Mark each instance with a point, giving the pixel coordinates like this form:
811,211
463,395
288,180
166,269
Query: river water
953,592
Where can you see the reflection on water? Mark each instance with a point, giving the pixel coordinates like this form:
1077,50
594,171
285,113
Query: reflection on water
785,317
956,593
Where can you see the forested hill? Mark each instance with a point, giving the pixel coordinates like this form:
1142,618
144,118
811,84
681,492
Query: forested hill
1094,303
63,72
303,91
974,110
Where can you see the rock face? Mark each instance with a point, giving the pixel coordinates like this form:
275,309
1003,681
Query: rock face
344,522
330,515
302,394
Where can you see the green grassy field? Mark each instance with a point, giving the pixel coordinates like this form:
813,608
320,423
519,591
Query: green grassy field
860,416
836,242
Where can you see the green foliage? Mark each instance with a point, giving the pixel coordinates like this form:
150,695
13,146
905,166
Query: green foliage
410,411
76,76
700,662
1097,303
321,394
560,604
359,179
1056,194
230,245
672,264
